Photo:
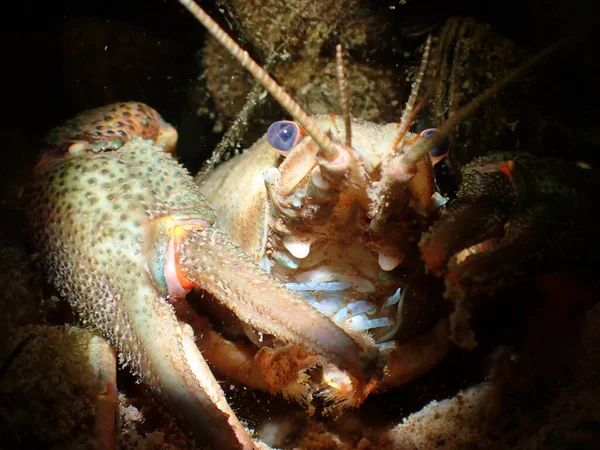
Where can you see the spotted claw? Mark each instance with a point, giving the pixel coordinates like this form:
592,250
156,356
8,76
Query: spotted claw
514,215
108,128
123,233
96,218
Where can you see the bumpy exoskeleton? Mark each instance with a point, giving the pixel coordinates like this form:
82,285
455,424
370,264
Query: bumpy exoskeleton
111,224
515,215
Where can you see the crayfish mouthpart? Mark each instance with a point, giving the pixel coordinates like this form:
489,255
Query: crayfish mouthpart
389,261
343,391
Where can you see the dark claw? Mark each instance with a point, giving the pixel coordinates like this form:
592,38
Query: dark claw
514,215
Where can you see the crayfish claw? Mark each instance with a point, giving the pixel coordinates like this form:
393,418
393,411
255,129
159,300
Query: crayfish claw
213,263
515,215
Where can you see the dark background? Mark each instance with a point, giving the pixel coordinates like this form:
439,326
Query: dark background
59,58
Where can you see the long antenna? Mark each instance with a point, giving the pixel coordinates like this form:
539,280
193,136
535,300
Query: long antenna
278,93
423,146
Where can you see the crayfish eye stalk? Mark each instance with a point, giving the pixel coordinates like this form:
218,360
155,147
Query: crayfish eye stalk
284,135
278,93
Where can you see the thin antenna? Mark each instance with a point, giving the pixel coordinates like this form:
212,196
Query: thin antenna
423,146
339,71
407,115
278,93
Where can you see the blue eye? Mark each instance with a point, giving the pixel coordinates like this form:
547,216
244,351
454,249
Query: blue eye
284,135
442,147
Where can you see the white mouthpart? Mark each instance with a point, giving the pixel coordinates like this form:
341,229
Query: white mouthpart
299,249
388,261
354,309
318,286
362,323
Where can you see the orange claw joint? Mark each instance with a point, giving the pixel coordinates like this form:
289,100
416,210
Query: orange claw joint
209,260
204,402
165,235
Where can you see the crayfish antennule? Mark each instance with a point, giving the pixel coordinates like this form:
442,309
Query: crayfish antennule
339,71
408,116
423,146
